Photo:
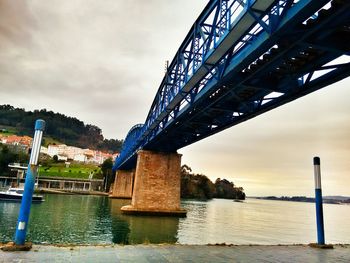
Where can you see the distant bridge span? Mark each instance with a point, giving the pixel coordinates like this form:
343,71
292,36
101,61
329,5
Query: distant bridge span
240,59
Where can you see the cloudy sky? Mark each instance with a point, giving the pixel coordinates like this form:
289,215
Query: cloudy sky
103,61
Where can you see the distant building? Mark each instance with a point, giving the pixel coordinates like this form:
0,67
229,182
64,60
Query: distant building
44,150
54,149
17,140
99,157
62,158
65,153
80,158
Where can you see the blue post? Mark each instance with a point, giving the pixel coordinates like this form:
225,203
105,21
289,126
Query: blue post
318,199
23,217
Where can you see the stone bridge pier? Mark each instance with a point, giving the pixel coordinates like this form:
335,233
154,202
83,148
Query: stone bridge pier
156,188
123,184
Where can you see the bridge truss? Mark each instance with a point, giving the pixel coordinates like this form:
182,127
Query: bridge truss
240,59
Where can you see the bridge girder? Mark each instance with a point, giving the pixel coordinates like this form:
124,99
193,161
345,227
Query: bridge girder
239,60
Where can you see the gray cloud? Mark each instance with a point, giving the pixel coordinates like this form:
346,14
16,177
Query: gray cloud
101,63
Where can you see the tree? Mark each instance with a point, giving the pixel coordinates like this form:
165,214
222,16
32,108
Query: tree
185,169
226,189
55,158
12,155
195,185
106,168
200,186
68,130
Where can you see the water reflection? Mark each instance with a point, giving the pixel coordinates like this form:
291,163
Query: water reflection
120,228
8,219
98,220
131,229
68,219
83,219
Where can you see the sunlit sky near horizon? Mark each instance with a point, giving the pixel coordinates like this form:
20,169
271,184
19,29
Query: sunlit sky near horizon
102,62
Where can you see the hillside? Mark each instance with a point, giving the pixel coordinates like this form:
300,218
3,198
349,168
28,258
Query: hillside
59,127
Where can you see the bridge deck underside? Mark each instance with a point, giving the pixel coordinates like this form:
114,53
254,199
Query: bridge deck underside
284,66
241,95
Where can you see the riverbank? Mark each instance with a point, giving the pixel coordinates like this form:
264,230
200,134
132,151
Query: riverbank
70,192
179,253
336,200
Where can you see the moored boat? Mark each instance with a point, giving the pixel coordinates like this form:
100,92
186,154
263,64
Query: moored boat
15,195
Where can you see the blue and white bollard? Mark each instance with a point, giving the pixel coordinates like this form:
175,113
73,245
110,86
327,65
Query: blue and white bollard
318,199
32,170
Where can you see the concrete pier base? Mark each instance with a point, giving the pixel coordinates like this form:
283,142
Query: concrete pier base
157,185
123,184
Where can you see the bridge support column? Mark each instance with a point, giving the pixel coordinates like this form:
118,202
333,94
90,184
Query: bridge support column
157,185
123,184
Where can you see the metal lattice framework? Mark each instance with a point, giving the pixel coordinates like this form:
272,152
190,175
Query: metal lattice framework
242,58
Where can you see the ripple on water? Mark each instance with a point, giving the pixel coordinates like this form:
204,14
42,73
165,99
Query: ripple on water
98,220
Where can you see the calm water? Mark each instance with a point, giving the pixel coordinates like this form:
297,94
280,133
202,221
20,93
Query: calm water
97,220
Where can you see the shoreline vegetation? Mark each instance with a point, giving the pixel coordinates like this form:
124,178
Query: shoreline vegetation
326,199
69,130
199,186
193,186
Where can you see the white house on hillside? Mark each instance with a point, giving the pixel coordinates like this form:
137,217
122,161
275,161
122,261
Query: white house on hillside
65,153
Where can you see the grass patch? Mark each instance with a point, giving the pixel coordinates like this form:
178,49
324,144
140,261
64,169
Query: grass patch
7,133
8,130
73,171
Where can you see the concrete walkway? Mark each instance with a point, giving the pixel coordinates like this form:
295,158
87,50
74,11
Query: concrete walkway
179,253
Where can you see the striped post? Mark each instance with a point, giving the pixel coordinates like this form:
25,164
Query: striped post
318,199
26,203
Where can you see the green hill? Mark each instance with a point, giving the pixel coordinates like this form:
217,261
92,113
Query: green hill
59,127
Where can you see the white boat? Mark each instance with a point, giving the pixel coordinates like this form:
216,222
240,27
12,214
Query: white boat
15,194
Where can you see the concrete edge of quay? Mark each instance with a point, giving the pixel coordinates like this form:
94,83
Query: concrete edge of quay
178,253
310,245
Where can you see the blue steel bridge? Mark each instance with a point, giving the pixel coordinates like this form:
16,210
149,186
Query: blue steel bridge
240,59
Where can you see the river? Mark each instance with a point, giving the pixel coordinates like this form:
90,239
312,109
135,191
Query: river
83,219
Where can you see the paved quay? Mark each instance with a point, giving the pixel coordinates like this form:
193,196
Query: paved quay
179,253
